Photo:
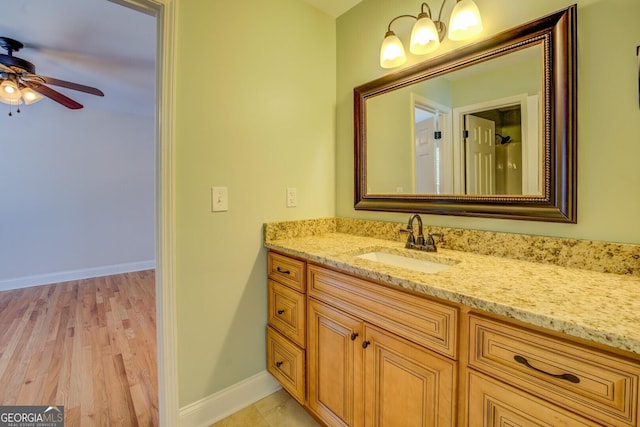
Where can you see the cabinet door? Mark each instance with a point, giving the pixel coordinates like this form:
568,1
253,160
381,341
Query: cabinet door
334,351
405,384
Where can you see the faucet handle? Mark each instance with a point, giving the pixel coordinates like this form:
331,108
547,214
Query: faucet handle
440,236
431,243
411,239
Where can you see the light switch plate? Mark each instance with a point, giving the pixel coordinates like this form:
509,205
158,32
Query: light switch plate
219,199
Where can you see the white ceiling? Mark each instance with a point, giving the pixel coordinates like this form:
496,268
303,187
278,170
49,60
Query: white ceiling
333,8
98,43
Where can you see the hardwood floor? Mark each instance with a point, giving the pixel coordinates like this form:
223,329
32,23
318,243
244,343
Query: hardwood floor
89,345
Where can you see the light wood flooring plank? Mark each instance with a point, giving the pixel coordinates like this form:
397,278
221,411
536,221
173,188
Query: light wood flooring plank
89,345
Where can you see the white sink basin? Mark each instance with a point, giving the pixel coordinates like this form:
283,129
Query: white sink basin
404,262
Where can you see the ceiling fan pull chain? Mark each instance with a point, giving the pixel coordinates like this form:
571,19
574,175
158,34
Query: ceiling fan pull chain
10,113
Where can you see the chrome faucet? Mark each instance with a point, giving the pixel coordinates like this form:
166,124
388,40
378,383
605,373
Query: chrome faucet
411,239
420,243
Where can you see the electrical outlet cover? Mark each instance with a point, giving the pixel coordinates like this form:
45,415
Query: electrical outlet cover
292,197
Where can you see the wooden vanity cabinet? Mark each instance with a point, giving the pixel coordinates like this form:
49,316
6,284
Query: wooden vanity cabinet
286,330
358,353
362,374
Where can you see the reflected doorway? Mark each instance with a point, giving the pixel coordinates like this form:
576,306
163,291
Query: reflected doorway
498,147
432,151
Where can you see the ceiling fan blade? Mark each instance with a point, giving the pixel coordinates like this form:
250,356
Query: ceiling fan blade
71,85
54,95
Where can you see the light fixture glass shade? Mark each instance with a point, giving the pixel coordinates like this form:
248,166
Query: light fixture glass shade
9,90
10,101
465,21
424,36
392,52
30,96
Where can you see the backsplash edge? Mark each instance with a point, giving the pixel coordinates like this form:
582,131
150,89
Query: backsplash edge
604,257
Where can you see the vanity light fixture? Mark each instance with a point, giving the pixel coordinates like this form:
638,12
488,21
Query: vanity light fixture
465,23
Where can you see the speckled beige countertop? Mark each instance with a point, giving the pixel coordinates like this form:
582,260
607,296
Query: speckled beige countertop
600,307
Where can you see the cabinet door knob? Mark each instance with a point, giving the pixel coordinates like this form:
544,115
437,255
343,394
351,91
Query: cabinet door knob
278,364
365,344
354,336
280,311
283,271
568,377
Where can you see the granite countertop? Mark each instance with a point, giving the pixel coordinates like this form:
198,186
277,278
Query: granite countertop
600,307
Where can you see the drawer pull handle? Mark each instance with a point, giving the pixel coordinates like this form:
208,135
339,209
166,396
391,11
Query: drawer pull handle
283,271
280,312
354,336
365,344
278,364
568,377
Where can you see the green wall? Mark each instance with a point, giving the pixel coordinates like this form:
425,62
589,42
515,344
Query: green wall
608,112
257,87
519,78
255,113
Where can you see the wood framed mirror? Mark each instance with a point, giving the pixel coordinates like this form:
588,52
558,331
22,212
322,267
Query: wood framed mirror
486,130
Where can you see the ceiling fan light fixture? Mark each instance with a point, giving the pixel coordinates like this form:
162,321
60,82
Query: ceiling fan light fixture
29,96
10,90
19,82
9,101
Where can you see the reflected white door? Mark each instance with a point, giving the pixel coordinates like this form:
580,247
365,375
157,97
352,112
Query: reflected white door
480,155
426,157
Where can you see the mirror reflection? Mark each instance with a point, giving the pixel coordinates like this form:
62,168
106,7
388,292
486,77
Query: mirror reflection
473,131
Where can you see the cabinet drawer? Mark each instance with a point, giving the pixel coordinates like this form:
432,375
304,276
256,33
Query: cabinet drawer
492,403
285,361
425,322
287,271
599,385
287,312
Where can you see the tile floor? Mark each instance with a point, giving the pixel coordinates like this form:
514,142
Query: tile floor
276,410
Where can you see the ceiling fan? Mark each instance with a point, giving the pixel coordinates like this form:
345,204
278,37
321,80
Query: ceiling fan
19,82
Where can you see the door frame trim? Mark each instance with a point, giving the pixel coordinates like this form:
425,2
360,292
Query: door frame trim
166,312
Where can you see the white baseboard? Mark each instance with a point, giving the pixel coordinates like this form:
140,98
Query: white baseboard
65,276
219,405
